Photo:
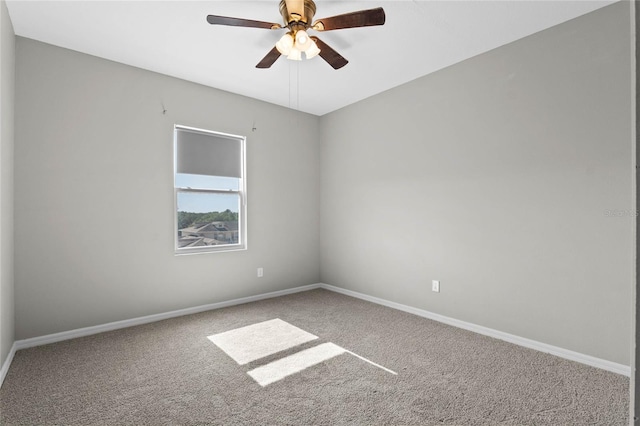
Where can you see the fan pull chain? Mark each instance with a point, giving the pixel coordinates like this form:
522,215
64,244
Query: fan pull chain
298,88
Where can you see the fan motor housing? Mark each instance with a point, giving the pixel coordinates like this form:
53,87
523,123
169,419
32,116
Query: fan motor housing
294,17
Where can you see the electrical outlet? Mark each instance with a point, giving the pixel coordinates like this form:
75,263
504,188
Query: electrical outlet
435,286
260,272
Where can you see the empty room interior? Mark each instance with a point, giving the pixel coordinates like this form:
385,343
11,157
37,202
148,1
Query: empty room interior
407,212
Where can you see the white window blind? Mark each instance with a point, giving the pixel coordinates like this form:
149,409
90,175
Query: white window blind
208,154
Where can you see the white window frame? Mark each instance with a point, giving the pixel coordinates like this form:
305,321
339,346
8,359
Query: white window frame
242,193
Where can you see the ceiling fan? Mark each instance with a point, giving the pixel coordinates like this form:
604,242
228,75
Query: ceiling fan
298,18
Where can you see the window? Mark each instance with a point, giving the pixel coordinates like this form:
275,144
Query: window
209,187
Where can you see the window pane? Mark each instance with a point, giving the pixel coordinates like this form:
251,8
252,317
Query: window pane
206,219
184,180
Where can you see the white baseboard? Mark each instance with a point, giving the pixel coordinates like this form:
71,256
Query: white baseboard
7,362
87,331
528,343
521,341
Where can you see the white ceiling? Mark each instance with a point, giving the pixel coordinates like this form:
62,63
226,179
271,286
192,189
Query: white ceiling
173,38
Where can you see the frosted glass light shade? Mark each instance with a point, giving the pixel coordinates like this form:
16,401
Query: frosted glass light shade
302,40
295,54
312,51
285,44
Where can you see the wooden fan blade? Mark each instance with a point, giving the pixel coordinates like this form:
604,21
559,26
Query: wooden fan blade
361,18
268,60
239,22
332,57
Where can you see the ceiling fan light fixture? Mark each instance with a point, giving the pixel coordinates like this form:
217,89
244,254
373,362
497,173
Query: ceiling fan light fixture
298,17
312,51
295,54
302,40
285,44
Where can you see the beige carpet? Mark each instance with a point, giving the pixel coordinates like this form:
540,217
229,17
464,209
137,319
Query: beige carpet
336,360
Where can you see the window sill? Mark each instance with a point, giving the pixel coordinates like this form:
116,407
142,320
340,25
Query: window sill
208,250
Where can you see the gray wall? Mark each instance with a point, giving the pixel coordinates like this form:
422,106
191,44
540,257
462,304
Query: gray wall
7,78
494,176
635,360
94,198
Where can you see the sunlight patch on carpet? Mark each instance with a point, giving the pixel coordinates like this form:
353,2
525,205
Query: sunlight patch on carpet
247,344
256,341
279,369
